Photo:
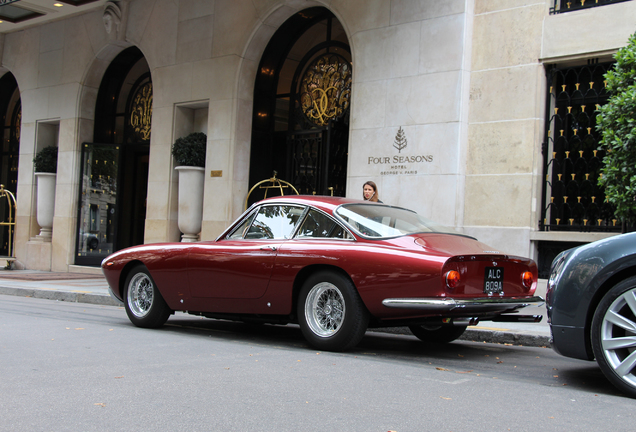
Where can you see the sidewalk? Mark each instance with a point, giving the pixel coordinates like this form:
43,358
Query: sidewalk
93,289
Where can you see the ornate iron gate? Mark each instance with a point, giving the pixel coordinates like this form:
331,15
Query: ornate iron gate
572,199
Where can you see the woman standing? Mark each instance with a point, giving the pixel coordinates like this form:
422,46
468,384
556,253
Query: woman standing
370,192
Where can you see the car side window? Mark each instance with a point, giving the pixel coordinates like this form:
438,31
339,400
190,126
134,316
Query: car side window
241,230
274,222
319,225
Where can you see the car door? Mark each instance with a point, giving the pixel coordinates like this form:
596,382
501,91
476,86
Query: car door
240,265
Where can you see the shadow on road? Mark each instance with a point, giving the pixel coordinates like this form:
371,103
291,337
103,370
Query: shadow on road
497,361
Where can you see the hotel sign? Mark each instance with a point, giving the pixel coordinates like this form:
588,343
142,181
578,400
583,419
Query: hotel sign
399,164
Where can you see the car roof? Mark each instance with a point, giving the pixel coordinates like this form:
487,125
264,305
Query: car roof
326,203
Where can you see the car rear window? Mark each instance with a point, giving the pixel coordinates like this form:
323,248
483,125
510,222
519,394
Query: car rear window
382,221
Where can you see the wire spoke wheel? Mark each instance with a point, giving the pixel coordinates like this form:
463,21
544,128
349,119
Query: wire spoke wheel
144,304
325,309
140,294
331,313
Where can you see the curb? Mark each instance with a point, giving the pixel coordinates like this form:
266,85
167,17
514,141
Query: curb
508,338
62,296
487,336
473,335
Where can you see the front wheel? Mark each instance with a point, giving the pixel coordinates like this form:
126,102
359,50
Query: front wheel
614,335
331,314
438,333
144,304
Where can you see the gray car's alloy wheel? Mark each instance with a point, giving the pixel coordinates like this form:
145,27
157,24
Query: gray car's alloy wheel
614,335
330,312
144,304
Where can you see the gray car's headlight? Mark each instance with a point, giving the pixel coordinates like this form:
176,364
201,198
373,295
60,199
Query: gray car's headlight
555,270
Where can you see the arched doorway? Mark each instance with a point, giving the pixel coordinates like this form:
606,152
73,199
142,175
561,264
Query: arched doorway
300,125
114,167
11,112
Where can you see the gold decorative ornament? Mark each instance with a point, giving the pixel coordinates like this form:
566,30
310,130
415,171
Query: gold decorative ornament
325,89
17,126
141,111
11,203
275,183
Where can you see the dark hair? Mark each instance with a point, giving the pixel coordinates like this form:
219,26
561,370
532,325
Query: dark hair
375,197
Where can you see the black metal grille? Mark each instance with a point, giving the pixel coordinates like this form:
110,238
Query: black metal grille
306,163
572,199
561,6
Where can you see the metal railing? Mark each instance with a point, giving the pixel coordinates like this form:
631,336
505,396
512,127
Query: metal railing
561,6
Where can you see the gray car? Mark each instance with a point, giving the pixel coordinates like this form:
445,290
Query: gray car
591,302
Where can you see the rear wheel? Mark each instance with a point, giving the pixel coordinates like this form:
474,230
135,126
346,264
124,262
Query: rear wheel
144,304
331,314
437,333
614,335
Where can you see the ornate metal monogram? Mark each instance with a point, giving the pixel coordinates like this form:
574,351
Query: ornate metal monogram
325,89
16,125
141,111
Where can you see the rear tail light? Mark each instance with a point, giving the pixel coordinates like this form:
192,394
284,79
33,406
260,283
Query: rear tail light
527,279
452,278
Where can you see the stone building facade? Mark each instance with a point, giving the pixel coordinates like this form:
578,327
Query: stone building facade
447,108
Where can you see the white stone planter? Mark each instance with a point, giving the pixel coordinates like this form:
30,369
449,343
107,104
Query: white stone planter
45,204
190,202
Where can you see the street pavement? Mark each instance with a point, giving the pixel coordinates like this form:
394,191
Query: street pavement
93,289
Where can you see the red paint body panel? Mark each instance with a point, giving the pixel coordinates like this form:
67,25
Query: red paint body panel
260,276
167,263
230,269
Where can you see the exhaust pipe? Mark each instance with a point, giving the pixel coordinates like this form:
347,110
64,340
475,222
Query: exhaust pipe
470,321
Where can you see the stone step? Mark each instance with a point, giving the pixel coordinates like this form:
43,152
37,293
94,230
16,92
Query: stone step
7,262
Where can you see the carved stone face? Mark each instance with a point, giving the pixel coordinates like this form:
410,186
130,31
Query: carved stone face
112,20
108,22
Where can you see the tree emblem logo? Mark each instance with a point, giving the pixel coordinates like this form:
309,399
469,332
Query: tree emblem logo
400,140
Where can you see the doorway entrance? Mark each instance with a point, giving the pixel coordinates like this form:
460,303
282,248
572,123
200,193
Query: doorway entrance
114,172
11,112
301,106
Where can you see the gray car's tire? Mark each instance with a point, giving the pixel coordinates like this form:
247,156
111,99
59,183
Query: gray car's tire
144,304
437,333
614,335
331,313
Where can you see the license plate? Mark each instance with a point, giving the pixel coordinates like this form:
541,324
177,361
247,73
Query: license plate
493,280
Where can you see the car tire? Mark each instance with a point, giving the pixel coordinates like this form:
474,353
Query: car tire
92,244
437,333
614,335
144,304
331,314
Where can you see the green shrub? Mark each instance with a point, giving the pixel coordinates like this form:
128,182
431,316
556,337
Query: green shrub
45,160
617,123
190,150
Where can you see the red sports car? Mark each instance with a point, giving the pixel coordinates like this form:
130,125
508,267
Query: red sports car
335,266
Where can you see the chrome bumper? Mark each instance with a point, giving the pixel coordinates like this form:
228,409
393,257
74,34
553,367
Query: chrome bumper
485,304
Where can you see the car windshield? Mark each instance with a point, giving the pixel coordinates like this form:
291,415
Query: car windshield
380,221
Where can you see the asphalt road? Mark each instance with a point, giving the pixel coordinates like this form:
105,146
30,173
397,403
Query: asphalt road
80,367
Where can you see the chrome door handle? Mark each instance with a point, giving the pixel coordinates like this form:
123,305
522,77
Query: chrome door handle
272,248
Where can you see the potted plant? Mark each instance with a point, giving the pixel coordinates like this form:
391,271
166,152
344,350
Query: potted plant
189,153
45,167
